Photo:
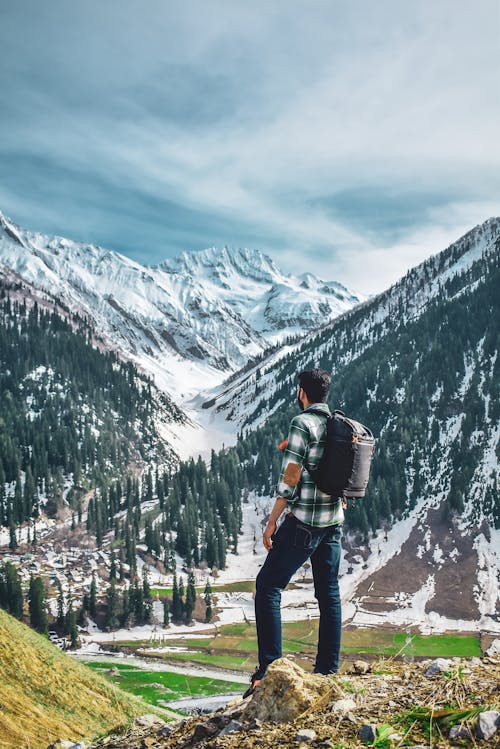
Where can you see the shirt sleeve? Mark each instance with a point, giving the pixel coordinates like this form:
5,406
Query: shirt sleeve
293,459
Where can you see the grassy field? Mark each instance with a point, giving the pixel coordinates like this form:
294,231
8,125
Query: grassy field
234,646
244,586
157,687
45,694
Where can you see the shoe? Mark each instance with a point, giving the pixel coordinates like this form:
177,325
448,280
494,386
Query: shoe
255,680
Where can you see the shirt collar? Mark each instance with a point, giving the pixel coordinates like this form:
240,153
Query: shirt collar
317,407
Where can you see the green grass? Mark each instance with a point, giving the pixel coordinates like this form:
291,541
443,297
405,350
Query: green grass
140,682
235,645
463,646
244,586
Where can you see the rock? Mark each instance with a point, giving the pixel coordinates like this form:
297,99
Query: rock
254,724
494,648
487,724
148,721
367,733
61,744
439,666
164,731
343,706
232,726
204,730
305,734
361,667
287,691
459,732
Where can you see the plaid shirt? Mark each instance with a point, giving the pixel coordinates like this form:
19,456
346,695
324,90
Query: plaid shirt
306,440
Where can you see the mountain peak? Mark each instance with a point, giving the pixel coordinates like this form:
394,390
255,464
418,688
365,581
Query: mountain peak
220,261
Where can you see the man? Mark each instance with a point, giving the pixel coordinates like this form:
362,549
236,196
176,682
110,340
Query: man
311,529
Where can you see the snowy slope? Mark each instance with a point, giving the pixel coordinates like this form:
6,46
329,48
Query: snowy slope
240,400
188,321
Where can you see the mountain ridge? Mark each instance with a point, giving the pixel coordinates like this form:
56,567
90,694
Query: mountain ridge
180,327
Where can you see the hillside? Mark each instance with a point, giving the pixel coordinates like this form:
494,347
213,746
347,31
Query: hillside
72,414
192,319
419,364
45,695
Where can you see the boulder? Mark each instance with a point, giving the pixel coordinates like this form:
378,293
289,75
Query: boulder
487,724
287,691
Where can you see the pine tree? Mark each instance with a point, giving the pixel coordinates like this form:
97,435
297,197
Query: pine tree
60,621
112,613
208,601
11,593
176,602
36,599
190,598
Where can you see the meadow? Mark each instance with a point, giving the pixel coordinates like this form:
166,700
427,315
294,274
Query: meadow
159,687
233,647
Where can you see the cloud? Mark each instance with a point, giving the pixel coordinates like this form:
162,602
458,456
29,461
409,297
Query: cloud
348,138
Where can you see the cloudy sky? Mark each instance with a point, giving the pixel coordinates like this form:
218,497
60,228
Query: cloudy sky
352,139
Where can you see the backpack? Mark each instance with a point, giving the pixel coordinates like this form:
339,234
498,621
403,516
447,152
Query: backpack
344,468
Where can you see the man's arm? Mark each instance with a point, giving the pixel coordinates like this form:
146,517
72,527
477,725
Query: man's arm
270,528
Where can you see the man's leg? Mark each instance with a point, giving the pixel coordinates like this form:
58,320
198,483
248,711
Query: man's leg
325,566
291,548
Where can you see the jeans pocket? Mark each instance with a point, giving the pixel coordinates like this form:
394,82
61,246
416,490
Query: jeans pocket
303,537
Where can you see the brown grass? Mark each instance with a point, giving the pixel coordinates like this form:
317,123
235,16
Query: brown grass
45,694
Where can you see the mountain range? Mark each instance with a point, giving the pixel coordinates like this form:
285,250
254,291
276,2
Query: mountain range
224,333
196,318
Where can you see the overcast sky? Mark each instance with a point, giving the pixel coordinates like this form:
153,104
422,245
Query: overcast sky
352,139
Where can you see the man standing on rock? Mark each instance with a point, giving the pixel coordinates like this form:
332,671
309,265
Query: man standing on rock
311,529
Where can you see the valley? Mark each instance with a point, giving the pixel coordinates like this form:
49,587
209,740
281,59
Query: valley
119,499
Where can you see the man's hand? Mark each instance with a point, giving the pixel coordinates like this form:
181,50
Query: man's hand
269,530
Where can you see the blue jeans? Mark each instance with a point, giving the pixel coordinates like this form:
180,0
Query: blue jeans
293,544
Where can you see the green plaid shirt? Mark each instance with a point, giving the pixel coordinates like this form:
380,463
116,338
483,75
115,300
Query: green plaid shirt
306,440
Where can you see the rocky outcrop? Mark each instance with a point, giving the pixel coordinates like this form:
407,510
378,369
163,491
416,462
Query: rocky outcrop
288,692
393,704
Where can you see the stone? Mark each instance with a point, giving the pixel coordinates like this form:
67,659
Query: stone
439,666
361,667
367,733
459,732
287,691
305,734
149,721
232,726
204,730
343,706
487,724
254,724
164,731
61,744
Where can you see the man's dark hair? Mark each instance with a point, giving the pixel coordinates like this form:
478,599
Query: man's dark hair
316,384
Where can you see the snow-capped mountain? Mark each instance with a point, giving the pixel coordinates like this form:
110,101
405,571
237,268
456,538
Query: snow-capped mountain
195,319
346,338
419,364
272,303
